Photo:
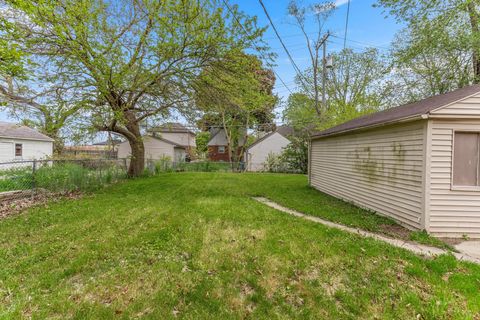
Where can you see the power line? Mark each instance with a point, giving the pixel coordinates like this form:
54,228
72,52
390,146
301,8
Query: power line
297,69
364,44
256,47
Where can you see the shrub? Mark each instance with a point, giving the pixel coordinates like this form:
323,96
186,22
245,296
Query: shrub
273,163
65,176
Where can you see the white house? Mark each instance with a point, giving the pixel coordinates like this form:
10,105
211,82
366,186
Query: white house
172,140
18,142
271,143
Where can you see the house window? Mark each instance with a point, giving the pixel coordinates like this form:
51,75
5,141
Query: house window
221,149
466,159
18,149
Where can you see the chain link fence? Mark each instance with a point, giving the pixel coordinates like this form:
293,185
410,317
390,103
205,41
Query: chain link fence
41,178
160,166
23,183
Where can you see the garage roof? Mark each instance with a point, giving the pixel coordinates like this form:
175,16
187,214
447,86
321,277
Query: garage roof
402,112
17,131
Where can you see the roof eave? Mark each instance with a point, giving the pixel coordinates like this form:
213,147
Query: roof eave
23,138
423,116
265,137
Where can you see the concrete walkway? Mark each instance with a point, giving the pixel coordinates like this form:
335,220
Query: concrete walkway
471,248
410,246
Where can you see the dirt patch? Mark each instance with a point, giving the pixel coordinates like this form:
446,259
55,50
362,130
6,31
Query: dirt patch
395,230
452,241
15,206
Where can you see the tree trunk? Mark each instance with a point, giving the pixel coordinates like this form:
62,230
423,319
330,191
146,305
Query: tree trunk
134,137
137,162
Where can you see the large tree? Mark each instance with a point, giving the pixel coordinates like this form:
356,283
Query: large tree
30,91
359,83
235,94
439,50
37,102
422,70
131,59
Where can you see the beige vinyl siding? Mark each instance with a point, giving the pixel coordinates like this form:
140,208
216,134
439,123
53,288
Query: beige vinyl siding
452,213
154,149
379,169
465,107
181,138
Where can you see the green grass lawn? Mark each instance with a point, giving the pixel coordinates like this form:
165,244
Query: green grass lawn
196,246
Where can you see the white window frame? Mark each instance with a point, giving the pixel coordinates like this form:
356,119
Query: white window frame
224,149
454,187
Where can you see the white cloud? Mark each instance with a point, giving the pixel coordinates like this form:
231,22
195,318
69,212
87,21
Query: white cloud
339,3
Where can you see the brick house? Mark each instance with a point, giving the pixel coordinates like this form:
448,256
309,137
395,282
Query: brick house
218,149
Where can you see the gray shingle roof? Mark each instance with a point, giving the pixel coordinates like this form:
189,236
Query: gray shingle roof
402,112
172,127
17,131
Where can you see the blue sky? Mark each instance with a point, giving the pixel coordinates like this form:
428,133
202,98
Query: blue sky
367,26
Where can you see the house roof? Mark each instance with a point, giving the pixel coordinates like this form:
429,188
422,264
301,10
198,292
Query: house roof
108,142
402,112
284,130
164,140
213,133
86,148
17,131
172,127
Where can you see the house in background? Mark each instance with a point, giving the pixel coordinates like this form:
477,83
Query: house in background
272,143
417,163
172,140
177,133
104,149
218,149
18,142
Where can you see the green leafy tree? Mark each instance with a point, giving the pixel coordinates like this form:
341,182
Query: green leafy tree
12,59
439,50
234,95
357,85
421,72
295,155
29,91
300,113
201,140
132,60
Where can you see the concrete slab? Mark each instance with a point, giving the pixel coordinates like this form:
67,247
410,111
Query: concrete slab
471,248
420,249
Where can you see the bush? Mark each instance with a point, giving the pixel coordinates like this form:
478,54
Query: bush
273,163
295,155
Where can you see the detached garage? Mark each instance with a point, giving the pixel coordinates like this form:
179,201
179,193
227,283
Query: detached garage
19,143
418,163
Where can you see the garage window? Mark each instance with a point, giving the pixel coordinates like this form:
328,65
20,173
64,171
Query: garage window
221,149
18,149
466,162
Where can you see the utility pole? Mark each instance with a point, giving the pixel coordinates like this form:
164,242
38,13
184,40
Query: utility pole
324,69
